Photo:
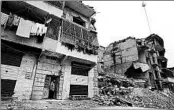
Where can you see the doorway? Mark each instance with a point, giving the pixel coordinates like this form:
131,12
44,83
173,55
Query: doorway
51,87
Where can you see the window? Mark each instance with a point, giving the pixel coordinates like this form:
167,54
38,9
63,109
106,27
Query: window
79,21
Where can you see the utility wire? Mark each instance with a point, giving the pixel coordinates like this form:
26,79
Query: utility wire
144,5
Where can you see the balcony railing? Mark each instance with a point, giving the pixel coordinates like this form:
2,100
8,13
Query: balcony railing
79,37
54,27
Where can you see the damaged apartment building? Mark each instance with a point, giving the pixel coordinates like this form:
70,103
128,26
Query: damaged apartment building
140,59
48,50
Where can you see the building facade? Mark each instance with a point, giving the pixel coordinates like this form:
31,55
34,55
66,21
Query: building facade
140,59
44,42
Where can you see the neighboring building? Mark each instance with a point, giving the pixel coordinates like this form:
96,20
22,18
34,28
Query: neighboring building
140,59
42,41
100,62
169,78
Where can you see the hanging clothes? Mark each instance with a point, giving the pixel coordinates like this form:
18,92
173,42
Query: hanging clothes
41,29
16,20
4,18
10,20
24,28
40,38
33,29
38,29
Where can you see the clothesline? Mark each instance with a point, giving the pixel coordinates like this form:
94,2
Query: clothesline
31,28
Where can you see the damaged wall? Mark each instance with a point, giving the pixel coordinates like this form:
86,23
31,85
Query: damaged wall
100,61
120,55
25,78
46,66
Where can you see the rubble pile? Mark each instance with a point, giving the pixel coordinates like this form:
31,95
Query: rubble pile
111,90
143,97
120,91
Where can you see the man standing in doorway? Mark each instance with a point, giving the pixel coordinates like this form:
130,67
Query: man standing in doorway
52,89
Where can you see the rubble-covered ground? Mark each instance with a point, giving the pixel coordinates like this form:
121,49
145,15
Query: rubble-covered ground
44,104
113,91
120,91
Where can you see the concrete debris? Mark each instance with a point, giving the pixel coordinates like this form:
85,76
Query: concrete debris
111,88
139,59
116,93
142,97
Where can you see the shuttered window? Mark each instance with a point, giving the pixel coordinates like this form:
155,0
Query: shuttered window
7,87
78,90
10,57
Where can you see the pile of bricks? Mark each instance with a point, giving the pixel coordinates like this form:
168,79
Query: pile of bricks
111,89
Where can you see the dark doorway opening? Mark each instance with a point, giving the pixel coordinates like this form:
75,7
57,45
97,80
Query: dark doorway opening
51,86
79,21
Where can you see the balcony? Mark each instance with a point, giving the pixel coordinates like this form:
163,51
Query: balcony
18,31
77,41
77,37
80,7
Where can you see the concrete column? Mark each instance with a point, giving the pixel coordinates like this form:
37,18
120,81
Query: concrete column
91,83
25,78
67,78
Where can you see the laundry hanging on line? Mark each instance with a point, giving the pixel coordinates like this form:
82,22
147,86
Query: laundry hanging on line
16,20
38,29
24,28
27,28
9,20
4,18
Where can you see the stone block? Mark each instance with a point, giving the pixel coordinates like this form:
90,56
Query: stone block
38,84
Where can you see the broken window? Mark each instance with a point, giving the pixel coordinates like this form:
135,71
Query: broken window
79,21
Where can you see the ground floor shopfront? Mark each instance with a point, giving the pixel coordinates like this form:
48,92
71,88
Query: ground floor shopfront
71,78
28,75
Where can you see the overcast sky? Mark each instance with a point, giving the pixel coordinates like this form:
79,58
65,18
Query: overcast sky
117,20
